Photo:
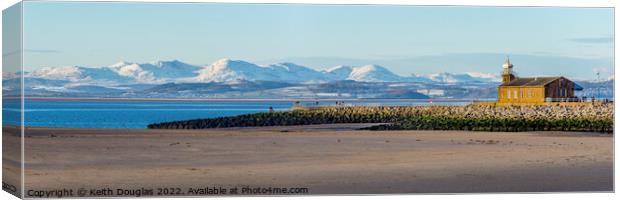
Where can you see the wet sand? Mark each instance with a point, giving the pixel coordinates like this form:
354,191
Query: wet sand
326,159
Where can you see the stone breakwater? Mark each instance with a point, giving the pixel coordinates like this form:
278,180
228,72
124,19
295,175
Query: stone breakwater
596,118
600,111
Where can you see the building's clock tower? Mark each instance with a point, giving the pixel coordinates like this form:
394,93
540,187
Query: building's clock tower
507,74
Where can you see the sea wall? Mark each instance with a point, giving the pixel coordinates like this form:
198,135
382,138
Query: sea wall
592,117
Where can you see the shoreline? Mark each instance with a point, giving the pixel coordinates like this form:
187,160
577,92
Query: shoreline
124,131
284,129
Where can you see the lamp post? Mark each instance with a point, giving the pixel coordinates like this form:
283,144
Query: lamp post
598,87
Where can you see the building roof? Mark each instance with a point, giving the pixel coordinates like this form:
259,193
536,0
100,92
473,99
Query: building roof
531,81
537,81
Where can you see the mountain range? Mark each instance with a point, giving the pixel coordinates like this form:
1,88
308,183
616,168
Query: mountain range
225,70
228,78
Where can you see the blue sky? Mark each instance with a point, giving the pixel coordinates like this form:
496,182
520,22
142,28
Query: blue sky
406,39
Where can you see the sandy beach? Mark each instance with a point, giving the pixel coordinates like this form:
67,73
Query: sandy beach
325,159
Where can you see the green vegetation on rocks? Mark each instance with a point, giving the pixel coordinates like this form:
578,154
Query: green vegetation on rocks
592,118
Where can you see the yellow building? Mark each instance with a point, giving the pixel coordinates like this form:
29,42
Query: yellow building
532,90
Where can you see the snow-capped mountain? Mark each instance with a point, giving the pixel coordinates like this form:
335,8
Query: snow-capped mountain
291,72
368,73
340,72
79,74
227,70
374,73
485,76
120,73
459,78
156,72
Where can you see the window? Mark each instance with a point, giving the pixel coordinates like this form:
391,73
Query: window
529,93
565,92
515,94
508,92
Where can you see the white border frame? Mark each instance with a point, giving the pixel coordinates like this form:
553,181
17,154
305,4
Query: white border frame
482,196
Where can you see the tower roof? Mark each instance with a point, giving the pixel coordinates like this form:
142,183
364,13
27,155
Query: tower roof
507,64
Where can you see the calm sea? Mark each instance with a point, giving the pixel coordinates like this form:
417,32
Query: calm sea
138,114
